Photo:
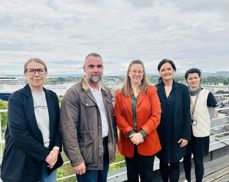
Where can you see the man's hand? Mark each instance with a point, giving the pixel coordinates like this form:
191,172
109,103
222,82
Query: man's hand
80,169
136,138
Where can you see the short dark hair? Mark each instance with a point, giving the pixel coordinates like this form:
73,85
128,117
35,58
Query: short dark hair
94,55
163,61
192,70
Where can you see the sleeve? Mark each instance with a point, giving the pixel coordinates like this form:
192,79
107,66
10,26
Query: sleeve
186,115
121,121
155,117
19,131
211,102
69,118
58,137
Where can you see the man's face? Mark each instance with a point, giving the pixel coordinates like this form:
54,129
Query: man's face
93,69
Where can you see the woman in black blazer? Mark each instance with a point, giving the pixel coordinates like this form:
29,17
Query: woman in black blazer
32,136
174,129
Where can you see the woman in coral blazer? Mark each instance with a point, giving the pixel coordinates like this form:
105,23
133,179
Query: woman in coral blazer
137,112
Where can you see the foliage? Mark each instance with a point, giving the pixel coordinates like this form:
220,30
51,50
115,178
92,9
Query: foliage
66,169
3,105
118,157
215,80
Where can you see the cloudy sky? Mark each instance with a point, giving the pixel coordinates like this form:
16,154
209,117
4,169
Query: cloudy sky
63,32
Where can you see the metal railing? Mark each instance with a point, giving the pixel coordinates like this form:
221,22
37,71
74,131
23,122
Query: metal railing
219,137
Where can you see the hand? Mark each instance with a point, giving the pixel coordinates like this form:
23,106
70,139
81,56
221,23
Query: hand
116,148
80,169
51,159
136,138
182,142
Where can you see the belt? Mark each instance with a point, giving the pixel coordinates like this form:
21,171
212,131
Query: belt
105,139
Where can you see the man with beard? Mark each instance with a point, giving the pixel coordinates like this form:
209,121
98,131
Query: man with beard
87,124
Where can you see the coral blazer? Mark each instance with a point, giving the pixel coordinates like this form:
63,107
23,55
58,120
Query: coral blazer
148,113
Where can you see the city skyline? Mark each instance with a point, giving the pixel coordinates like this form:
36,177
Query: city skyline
62,33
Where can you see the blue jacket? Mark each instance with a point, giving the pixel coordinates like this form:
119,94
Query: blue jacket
25,152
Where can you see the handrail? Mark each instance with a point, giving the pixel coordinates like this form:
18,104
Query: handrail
215,137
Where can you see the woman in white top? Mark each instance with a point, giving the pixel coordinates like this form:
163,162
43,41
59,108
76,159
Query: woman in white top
32,136
202,110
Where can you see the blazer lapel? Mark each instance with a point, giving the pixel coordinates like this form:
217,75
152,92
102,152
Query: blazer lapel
51,107
30,115
140,99
177,95
127,104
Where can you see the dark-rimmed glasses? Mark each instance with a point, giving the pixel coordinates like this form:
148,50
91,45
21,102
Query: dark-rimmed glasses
32,71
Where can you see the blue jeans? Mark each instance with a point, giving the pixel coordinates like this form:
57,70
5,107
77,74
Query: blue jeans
97,175
47,178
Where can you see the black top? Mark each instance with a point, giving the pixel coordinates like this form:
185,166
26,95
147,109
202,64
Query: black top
175,121
211,102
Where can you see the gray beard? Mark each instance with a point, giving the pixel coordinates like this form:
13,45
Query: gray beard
95,79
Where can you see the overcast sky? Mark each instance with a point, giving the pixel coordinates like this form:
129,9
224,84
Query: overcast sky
62,32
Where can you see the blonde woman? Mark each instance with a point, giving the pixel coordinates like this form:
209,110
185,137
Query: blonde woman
137,112
32,135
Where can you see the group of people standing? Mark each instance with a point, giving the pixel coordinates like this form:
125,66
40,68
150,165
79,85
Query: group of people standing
169,120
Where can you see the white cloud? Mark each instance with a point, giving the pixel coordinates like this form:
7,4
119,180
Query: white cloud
120,30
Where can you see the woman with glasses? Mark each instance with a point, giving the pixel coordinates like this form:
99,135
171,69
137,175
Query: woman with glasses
32,135
174,129
203,106
137,112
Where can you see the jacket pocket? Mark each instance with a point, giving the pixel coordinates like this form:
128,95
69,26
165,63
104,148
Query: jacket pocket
87,147
87,102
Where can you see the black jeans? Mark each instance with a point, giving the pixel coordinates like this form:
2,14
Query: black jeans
199,167
139,165
170,171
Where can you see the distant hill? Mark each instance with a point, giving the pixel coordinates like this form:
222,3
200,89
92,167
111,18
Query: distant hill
218,73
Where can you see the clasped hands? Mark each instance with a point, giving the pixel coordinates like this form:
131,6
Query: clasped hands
51,159
136,138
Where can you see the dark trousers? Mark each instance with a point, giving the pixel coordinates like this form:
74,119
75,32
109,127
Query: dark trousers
139,165
97,175
170,171
199,167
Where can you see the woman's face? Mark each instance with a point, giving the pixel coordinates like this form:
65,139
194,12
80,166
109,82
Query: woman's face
136,73
35,75
193,80
167,72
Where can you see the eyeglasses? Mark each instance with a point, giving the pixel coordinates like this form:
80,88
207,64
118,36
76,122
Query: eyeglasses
32,71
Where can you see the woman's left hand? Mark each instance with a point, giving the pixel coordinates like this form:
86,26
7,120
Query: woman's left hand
51,159
183,142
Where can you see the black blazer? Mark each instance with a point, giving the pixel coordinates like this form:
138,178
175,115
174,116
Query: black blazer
25,152
182,115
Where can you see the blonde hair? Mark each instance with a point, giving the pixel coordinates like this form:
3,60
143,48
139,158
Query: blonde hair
127,88
36,60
